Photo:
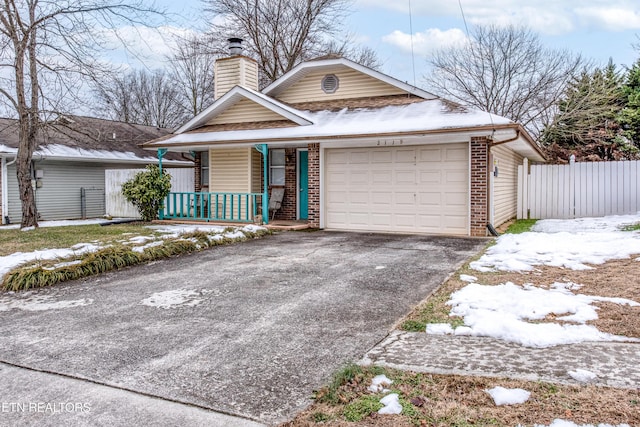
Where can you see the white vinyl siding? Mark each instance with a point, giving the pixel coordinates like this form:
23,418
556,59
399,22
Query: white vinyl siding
409,189
505,185
352,84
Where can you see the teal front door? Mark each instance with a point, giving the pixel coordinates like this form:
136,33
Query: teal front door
303,184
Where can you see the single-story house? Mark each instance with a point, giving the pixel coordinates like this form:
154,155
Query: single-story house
68,167
353,149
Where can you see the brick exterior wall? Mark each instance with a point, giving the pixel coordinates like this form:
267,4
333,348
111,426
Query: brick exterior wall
314,185
479,186
196,175
289,203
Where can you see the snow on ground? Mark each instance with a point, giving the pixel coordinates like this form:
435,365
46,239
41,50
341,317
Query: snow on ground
503,311
65,223
39,302
582,375
508,396
467,278
391,404
563,423
9,262
563,243
174,298
379,383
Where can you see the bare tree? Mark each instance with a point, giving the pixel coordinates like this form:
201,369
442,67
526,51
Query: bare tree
360,54
192,65
143,97
46,48
282,33
505,71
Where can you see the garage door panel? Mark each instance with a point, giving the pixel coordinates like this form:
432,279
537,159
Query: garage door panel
405,178
382,156
402,189
405,155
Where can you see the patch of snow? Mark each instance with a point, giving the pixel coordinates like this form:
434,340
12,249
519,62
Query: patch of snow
39,303
251,228
463,330
582,375
9,262
64,223
380,267
174,298
141,249
174,230
563,423
235,235
391,404
502,312
378,384
139,240
62,264
563,243
439,328
593,225
508,396
468,278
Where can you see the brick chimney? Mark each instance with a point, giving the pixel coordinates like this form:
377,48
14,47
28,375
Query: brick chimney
236,69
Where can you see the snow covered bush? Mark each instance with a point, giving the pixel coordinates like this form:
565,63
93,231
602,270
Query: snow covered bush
147,191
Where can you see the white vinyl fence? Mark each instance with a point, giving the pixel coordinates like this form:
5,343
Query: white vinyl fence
578,190
115,203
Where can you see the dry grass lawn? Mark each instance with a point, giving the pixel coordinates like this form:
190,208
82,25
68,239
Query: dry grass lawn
448,400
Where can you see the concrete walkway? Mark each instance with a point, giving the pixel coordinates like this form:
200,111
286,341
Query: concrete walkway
615,364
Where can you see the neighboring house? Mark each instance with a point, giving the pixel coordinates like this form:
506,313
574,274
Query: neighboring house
68,167
354,149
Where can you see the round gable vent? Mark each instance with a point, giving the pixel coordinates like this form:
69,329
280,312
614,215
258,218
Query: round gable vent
329,83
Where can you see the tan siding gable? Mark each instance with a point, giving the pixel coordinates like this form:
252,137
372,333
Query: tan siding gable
352,84
245,111
505,185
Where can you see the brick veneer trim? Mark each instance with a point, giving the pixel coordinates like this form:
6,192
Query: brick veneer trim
479,186
314,184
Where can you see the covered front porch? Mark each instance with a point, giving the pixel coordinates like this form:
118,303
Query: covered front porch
251,184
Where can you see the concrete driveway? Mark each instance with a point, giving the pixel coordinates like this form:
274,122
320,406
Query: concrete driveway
249,329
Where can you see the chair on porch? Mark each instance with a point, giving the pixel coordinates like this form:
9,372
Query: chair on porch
275,201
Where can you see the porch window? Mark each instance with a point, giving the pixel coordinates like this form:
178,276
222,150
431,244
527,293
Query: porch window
204,168
276,167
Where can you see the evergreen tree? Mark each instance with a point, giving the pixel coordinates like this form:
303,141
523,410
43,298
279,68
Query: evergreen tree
629,116
587,123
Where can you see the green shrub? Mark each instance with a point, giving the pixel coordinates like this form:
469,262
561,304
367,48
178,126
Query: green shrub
147,191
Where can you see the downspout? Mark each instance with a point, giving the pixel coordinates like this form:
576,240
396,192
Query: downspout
5,188
161,153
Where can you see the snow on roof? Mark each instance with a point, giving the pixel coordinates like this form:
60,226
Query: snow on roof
63,152
421,116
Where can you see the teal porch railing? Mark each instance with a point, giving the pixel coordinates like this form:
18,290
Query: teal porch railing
233,207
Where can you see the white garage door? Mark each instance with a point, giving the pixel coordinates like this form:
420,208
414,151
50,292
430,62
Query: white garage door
421,188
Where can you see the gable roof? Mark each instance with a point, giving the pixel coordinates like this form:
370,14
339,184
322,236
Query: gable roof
304,68
81,138
236,94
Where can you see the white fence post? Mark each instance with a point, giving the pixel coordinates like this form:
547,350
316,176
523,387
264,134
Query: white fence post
523,190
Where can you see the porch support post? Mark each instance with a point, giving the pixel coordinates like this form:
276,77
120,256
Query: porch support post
264,150
161,153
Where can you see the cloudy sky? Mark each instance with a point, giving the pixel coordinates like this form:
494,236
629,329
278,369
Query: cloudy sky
598,29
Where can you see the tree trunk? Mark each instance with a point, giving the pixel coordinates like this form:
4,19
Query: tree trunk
27,135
